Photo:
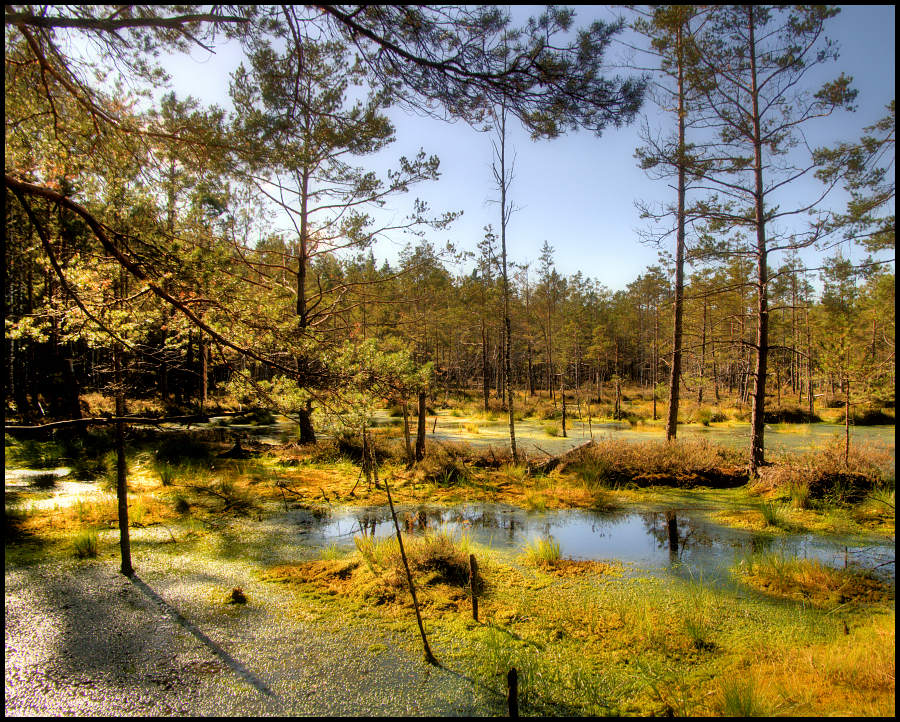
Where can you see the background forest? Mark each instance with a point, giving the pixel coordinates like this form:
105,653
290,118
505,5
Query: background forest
142,261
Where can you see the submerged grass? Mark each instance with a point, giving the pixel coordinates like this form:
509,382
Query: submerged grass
809,580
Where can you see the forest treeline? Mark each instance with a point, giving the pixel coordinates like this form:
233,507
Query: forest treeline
142,258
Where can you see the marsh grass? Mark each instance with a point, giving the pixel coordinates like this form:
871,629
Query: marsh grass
826,475
810,580
516,473
741,698
332,551
167,473
552,429
773,514
612,463
542,551
85,544
799,491
534,500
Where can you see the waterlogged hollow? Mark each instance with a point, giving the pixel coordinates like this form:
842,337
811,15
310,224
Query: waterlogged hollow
643,539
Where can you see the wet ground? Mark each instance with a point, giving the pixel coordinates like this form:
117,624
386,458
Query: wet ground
532,436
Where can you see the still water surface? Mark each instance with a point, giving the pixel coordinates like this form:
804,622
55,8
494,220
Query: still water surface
641,539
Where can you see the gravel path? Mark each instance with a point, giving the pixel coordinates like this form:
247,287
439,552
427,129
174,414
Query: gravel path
83,640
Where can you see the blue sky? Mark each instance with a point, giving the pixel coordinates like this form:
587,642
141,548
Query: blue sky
578,192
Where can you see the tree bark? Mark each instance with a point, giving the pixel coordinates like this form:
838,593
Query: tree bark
121,468
678,302
420,428
757,422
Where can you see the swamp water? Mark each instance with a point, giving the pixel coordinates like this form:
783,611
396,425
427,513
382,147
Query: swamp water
532,437
645,541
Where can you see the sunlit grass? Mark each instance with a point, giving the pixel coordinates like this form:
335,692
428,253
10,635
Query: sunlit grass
542,551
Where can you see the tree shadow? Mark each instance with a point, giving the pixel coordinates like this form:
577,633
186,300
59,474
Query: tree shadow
229,661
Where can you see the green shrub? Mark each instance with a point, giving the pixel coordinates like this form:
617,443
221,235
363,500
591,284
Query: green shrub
634,419
790,415
685,463
256,417
552,429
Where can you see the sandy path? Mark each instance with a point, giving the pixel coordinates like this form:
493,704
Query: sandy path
83,640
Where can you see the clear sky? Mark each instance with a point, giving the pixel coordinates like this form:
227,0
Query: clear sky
578,191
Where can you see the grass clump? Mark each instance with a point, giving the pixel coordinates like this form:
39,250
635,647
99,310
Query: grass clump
543,552
871,417
85,544
740,698
167,473
773,513
332,551
438,561
237,596
799,491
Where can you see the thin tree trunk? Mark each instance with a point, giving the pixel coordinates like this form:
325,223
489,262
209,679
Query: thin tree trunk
678,303
702,357
847,425
757,423
406,437
420,428
429,657
507,326
485,378
562,394
121,468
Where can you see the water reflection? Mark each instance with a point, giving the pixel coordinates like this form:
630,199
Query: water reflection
672,539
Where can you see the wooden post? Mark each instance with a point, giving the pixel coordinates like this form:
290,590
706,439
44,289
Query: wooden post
473,572
512,683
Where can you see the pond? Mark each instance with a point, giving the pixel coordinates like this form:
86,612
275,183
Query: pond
691,546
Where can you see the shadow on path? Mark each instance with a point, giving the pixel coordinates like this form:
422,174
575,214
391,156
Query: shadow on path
226,658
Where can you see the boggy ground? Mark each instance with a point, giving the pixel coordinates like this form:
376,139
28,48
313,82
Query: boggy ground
777,636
